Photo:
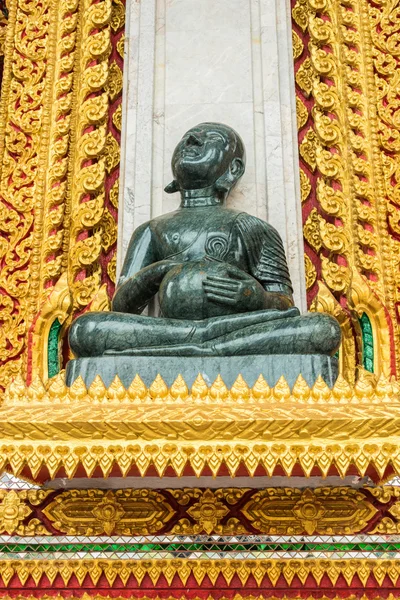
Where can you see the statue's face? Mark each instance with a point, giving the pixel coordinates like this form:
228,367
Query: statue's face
202,156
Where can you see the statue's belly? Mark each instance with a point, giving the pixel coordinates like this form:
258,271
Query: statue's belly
182,295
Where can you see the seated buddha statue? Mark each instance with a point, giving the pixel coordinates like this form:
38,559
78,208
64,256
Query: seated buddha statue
220,274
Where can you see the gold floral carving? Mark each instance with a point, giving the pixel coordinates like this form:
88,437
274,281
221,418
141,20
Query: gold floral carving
264,572
202,427
298,45
207,513
304,77
324,511
114,82
311,272
299,13
308,149
14,510
301,112
312,230
305,186
123,512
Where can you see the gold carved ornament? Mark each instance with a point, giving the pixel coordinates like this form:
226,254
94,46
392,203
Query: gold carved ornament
262,572
287,511
272,511
14,510
345,144
123,512
176,427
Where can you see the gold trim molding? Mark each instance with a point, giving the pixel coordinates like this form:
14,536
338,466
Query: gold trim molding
205,427
262,571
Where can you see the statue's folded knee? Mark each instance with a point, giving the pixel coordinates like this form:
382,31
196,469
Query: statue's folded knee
81,335
326,334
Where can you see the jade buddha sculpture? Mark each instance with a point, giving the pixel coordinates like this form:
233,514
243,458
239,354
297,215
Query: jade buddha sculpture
220,274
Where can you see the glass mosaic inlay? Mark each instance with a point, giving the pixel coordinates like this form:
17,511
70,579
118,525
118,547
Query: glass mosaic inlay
197,547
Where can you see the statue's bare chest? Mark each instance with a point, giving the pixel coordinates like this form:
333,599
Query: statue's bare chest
196,235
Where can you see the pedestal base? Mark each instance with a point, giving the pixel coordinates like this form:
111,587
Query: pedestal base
272,367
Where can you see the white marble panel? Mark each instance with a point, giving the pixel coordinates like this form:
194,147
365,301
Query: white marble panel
208,66
207,15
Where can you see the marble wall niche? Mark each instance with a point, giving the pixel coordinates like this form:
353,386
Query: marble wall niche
189,61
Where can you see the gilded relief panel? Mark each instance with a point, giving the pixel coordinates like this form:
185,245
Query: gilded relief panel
59,167
346,72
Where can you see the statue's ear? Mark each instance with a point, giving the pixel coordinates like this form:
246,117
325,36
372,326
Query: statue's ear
231,176
236,168
172,187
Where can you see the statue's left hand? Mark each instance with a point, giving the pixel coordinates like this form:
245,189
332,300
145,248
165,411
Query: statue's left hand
236,289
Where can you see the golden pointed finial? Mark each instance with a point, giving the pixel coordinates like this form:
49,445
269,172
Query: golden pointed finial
116,391
281,391
199,388
56,388
218,390
36,391
384,390
179,390
240,390
137,391
364,388
97,390
342,391
78,390
158,388
320,392
301,391
395,386
16,391
261,390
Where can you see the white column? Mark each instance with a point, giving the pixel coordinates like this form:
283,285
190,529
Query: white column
190,61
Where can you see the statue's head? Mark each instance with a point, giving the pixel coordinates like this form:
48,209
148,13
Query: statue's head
208,155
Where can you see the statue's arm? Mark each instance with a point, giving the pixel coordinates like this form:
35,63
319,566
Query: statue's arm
141,273
267,260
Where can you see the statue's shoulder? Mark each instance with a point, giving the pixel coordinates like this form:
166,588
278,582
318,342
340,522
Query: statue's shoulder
250,224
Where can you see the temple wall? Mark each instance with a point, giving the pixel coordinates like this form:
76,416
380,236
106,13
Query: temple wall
190,61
